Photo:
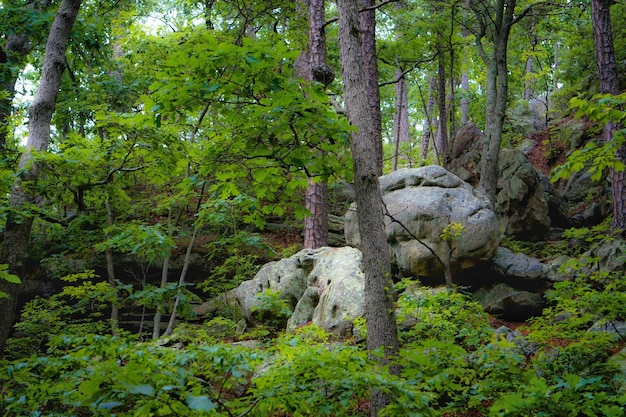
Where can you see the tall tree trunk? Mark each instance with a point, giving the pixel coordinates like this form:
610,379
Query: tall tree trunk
312,67
379,296
181,281
464,104
115,314
12,61
370,68
428,130
497,28
18,226
607,73
442,137
401,118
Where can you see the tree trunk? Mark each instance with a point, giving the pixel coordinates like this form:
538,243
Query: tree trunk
497,28
181,281
401,118
115,314
18,226
379,296
442,137
311,66
429,121
370,68
12,61
607,74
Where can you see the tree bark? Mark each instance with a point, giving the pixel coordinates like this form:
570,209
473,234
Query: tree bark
607,74
12,60
496,28
19,222
379,296
442,136
401,118
312,66
370,68
429,121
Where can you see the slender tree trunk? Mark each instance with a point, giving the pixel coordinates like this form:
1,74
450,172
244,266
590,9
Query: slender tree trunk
379,296
607,74
115,314
18,226
401,118
12,60
311,66
181,281
497,27
370,67
428,130
442,137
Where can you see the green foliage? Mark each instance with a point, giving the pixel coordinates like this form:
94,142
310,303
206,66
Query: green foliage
237,268
149,243
106,376
452,232
570,395
5,275
597,157
442,315
271,308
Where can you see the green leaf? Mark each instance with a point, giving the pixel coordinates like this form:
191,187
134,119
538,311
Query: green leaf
200,403
145,389
5,275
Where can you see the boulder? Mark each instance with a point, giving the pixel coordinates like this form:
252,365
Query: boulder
286,276
521,197
323,286
509,303
335,293
527,203
517,265
420,203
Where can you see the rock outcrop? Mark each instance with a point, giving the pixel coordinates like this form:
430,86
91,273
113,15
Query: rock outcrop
324,286
526,202
420,203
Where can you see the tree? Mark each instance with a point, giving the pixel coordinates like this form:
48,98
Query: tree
19,42
367,17
494,23
609,84
401,117
311,66
379,296
19,223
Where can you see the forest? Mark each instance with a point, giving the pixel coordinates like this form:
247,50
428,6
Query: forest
305,208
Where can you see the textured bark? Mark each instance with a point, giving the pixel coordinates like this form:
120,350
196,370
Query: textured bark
441,144
370,67
379,297
311,66
316,225
429,121
12,61
19,222
607,74
495,24
401,118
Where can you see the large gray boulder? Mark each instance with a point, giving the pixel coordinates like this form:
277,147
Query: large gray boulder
322,286
335,293
287,277
421,202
